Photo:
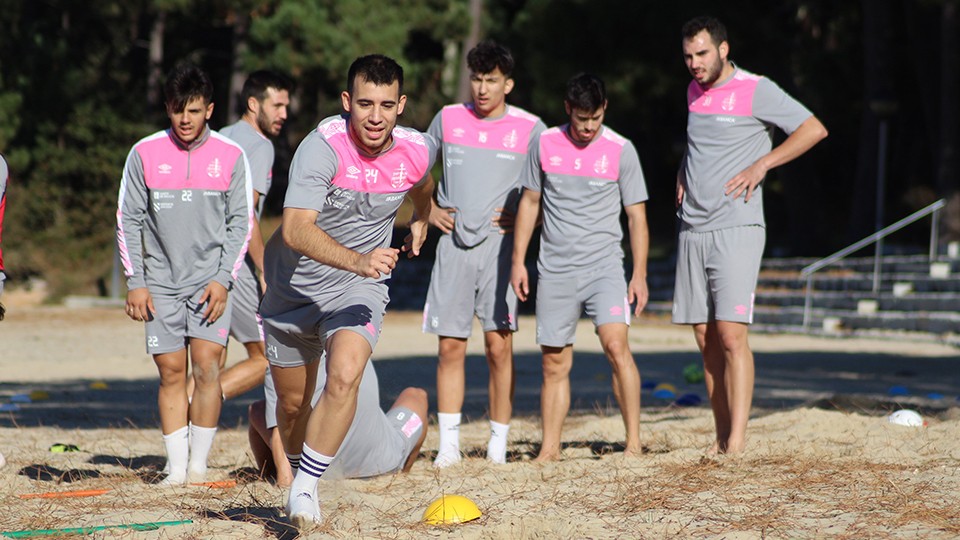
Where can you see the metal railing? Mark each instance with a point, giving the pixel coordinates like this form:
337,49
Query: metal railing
877,238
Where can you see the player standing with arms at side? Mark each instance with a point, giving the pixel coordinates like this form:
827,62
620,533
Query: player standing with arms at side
730,121
183,223
485,143
580,175
326,267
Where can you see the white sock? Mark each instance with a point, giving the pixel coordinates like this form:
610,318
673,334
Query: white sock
177,445
449,451
201,440
497,446
303,507
294,460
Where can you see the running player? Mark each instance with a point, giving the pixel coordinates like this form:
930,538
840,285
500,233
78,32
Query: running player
183,222
374,445
326,266
485,143
265,98
580,174
4,174
720,206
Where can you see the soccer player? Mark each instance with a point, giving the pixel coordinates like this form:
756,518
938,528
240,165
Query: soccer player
485,143
183,223
580,175
363,452
4,174
265,98
326,266
719,200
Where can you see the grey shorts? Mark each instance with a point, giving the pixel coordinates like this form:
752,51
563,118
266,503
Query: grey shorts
717,275
246,325
601,294
298,336
471,282
179,318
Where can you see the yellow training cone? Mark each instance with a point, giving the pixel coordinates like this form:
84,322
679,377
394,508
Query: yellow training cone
451,509
98,385
39,395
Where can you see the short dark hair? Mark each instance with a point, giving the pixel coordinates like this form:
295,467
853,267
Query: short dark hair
257,84
716,29
185,83
489,55
586,92
376,68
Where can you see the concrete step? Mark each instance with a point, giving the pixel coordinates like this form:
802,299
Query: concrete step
847,300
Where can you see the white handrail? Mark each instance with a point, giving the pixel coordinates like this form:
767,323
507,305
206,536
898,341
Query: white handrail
808,271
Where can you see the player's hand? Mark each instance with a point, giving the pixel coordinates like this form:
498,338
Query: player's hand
637,292
504,219
414,240
520,281
140,304
380,261
215,296
263,285
746,181
442,218
679,200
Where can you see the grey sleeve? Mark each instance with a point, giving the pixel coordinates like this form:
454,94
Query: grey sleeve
131,212
531,175
633,186
311,174
239,216
261,162
771,105
436,131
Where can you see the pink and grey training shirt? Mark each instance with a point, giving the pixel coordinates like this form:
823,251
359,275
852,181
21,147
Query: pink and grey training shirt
356,196
583,188
184,213
482,160
729,127
4,174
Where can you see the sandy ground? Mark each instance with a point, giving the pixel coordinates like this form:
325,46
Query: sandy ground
822,459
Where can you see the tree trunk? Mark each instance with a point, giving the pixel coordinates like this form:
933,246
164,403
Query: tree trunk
238,75
476,14
155,73
879,104
948,168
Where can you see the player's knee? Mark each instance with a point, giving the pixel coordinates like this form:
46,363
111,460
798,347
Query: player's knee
343,380
616,349
498,353
733,342
206,374
555,367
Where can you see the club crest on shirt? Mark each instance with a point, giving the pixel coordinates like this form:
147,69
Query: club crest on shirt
510,139
602,165
729,102
399,177
214,169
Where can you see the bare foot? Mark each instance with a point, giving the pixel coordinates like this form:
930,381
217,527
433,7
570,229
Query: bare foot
544,457
715,449
633,452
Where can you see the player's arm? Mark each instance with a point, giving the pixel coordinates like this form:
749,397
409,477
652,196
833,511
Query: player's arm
422,197
527,212
640,248
131,212
441,218
255,247
810,132
678,201
301,234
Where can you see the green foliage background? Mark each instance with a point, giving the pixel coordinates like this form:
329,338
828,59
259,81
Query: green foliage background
74,96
